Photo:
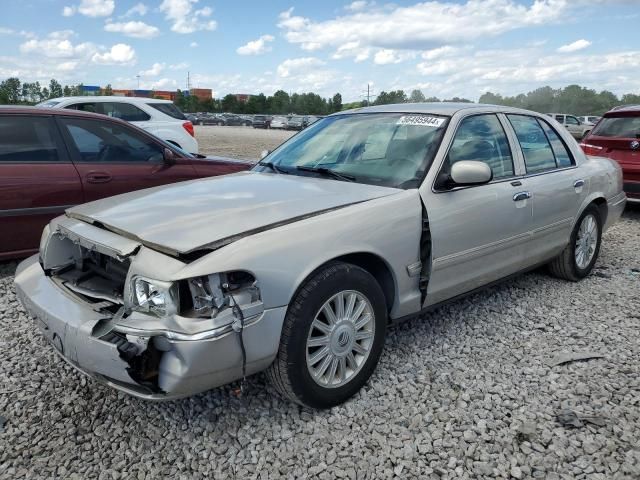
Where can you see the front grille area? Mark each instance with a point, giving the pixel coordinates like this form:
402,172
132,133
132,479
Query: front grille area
94,276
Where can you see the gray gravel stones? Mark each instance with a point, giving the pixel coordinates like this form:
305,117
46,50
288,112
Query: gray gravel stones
467,392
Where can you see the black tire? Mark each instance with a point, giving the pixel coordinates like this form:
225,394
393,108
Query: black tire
564,265
289,373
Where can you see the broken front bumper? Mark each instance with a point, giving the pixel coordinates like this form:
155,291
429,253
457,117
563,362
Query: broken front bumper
186,364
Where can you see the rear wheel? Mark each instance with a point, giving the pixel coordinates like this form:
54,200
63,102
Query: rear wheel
577,260
332,337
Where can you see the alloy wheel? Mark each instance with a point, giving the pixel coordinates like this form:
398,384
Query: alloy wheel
340,339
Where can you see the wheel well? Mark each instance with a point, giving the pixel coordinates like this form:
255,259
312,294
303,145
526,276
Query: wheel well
376,267
601,203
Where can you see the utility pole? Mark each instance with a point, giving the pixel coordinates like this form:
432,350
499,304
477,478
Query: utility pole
188,81
138,77
368,94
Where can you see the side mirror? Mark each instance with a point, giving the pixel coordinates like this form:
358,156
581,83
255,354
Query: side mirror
264,153
168,157
470,172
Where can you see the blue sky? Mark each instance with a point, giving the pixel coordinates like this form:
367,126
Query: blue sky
445,48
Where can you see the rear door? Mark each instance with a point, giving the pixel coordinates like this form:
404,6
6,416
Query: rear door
37,181
114,158
553,183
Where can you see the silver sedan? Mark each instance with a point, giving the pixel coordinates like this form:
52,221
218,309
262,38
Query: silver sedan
297,267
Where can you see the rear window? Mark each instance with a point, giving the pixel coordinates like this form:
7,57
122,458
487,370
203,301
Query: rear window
625,127
169,109
26,139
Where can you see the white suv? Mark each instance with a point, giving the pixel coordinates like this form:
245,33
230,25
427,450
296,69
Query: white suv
159,117
578,129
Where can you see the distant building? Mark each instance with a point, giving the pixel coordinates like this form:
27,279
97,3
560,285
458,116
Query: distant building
203,94
242,97
91,90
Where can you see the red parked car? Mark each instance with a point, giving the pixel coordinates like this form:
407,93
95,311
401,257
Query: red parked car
52,159
617,136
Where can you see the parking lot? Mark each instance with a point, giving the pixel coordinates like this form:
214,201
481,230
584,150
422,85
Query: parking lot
238,142
472,390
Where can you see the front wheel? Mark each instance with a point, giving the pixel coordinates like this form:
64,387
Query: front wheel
577,260
332,337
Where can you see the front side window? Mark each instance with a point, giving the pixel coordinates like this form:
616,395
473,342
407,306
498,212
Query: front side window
481,138
389,149
572,120
107,142
85,107
27,139
537,151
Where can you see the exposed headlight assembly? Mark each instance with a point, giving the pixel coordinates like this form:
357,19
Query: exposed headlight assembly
154,297
212,294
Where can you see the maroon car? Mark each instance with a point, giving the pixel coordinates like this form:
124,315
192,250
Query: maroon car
52,159
617,136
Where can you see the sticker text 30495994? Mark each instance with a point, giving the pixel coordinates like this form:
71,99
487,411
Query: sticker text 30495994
424,120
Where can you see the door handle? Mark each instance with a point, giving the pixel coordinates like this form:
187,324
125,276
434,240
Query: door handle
521,196
98,177
578,183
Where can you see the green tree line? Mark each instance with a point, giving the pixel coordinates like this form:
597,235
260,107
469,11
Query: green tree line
12,91
278,103
572,99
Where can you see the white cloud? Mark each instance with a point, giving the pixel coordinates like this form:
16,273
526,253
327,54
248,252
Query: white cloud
155,70
58,45
138,9
575,46
119,54
184,18
193,44
256,47
69,11
513,71
359,5
294,66
133,29
388,56
420,26
179,66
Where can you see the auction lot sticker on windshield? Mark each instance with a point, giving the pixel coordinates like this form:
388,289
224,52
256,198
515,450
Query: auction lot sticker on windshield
425,120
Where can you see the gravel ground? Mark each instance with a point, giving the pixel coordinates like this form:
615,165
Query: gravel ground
466,392
238,142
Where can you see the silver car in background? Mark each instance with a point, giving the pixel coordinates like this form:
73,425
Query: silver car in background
297,267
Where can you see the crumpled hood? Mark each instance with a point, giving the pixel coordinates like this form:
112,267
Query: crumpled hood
211,212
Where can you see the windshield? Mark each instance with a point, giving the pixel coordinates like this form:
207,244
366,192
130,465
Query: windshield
624,127
389,149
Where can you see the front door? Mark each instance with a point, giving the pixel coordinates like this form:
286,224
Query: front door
38,181
479,234
113,158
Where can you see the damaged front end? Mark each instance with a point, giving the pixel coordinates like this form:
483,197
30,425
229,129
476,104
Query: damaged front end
110,307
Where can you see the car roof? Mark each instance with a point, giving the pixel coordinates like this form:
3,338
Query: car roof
624,108
109,98
436,108
54,111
